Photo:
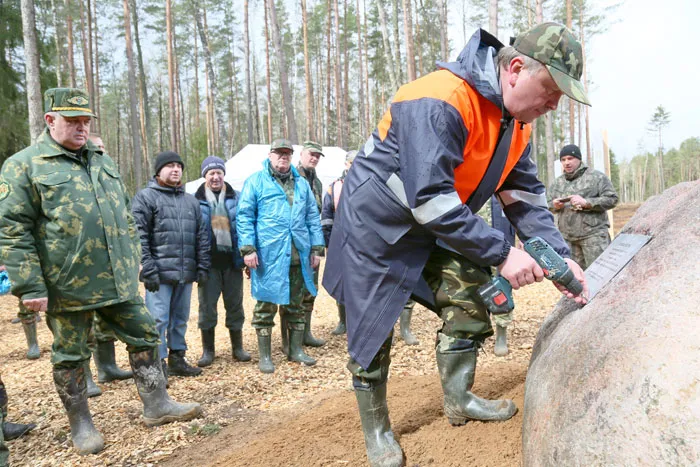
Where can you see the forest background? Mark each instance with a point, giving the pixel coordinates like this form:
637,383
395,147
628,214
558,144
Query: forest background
210,76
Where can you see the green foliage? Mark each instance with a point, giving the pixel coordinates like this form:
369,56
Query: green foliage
614,171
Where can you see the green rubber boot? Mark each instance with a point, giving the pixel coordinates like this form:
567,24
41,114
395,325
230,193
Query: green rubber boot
208,336
284,331
158,407
93,390
382,449
405,327
500,347
296,351
265,349
341,328
107,369
72,389
237,346
33,351
456,369
309,339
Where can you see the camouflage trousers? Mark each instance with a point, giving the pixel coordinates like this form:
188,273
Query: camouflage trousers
466,323
585,251
264,312
307,303
130,321
99,332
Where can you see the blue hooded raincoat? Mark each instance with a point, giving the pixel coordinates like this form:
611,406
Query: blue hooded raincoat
267,221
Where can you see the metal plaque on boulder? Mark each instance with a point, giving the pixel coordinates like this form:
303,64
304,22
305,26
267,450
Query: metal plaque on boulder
613,259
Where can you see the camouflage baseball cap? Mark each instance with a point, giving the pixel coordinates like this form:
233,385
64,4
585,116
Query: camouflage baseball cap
314,147
554,46
69,102
350,156
281,143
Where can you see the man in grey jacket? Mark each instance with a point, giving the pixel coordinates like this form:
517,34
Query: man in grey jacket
581,196
174,253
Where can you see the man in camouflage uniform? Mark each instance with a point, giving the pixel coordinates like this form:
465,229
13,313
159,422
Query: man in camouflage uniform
406,223
580,197
69,243
280,239
311,154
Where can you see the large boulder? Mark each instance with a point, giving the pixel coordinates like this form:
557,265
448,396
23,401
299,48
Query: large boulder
617,382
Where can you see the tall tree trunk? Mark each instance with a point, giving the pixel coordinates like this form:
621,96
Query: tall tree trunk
361,90
31,69
589,155
197,99
338,83
419,44
394,80
282,64
87,52
172,91
493,17
368,123
397,39
444,44
346,79
310,130
145,103
408,34
255,99
572,125
135,134
267,75
58,43
548,130
329,67
98,95
246,49
69,39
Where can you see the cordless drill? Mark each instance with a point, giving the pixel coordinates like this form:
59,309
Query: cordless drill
497,294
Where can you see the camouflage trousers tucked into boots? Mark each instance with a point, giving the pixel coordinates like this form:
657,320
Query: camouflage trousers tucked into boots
585,251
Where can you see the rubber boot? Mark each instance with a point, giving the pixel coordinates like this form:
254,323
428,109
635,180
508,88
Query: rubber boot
237,346
457,377
178,366
93,390
382,449
296,351
500,347
33,351
284,332
208,336
107,369
265,349
16,321
164,369
341,328
309,339
72,389
14,430
158,408
405,327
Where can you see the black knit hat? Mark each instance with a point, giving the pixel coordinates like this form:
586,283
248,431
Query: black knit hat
570,150
165,158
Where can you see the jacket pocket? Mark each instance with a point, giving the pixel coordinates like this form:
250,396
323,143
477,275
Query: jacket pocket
379,210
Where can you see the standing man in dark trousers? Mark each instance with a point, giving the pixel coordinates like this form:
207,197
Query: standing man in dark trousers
70,246
218,202
174,253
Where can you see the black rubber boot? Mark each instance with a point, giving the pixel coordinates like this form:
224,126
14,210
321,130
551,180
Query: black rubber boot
405,327
500,347
72,389
309,339
237,346
164,368
341,328
265,349
93,390
107,369
208,336
178,366
382,449
456,369
14,430
296,351
284,332
33,351
158,408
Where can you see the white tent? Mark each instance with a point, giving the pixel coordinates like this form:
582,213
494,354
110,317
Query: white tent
249,160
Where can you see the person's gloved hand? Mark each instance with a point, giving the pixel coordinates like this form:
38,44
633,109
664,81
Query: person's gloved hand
202,277
152,283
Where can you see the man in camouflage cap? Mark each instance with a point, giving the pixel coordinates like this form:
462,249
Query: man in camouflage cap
580,197
70,246
407,226
280,239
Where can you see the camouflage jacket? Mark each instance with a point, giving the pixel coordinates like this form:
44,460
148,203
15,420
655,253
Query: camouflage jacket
314,182
595,188
66,231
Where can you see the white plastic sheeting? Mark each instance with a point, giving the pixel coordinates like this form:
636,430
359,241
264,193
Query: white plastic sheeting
249,160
